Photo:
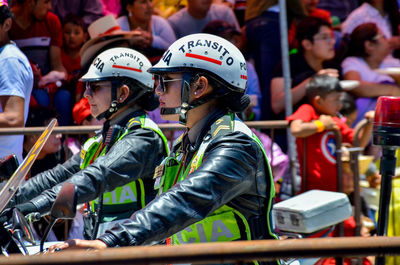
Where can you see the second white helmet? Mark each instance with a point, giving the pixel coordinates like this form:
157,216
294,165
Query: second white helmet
117,65
120,62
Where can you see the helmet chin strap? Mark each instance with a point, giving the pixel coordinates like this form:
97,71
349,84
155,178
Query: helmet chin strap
185,94
115,105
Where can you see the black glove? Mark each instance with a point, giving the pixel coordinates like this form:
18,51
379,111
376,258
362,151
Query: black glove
24,208
6,215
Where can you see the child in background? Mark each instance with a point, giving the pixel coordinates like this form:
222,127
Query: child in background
349,109
74,36
313,124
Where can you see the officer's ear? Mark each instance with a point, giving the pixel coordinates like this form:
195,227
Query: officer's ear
123,93
201,87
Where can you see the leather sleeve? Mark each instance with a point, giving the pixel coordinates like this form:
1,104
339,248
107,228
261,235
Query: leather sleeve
135,156
46,180
233,173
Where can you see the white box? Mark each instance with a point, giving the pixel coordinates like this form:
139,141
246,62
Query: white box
311,211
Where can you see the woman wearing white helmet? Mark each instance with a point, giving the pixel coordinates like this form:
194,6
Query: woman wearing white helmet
216,184
117,165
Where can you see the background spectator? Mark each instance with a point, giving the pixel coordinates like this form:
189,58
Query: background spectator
194,17
340,9
312,125
38,33
111,7
348,109
75,35
384,13
316,48
151,34
104,33
165,8
51,155
367,50
310,6
88,10
52,152
263,40
16,81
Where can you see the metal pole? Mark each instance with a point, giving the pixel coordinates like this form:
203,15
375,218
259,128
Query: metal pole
387,168
287,83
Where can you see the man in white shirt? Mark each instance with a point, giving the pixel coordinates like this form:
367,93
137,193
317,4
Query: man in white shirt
16,81
197,14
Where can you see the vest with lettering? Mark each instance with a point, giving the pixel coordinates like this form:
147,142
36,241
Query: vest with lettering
226,223
123,201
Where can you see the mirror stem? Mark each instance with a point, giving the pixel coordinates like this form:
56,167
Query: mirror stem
46,232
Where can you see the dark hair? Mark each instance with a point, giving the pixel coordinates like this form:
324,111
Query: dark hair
308,28
148,101
361,34
353,44
348,104
39,116
227,99
124,3
76,20
322,85
5,13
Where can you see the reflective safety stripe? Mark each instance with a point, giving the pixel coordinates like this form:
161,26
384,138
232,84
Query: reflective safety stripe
120,195
129,193
219,232
222,224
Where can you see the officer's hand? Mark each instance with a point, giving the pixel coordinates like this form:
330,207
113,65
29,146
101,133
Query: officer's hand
6,215
24,208
77,244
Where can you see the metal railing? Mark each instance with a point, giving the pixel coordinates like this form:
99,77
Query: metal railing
272,125
226,252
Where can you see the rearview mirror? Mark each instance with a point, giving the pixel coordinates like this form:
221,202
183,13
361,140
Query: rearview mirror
64,207
65,204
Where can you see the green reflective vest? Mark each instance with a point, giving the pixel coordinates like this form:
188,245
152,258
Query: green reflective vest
226,223
120,203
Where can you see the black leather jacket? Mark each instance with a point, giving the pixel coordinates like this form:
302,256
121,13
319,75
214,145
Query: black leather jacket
135,156
233,172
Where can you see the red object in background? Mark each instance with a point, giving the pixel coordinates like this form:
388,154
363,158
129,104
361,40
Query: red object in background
81,111
387,112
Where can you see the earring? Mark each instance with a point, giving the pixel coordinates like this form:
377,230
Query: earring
195,93
120,98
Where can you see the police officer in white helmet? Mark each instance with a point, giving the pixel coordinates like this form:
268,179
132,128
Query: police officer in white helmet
114,171
216,185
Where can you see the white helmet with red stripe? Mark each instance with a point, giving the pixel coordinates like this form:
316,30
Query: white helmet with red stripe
120,62
118,65
206,52
203,54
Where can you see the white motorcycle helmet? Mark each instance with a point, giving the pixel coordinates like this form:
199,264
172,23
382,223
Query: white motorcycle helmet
120,65
198,54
